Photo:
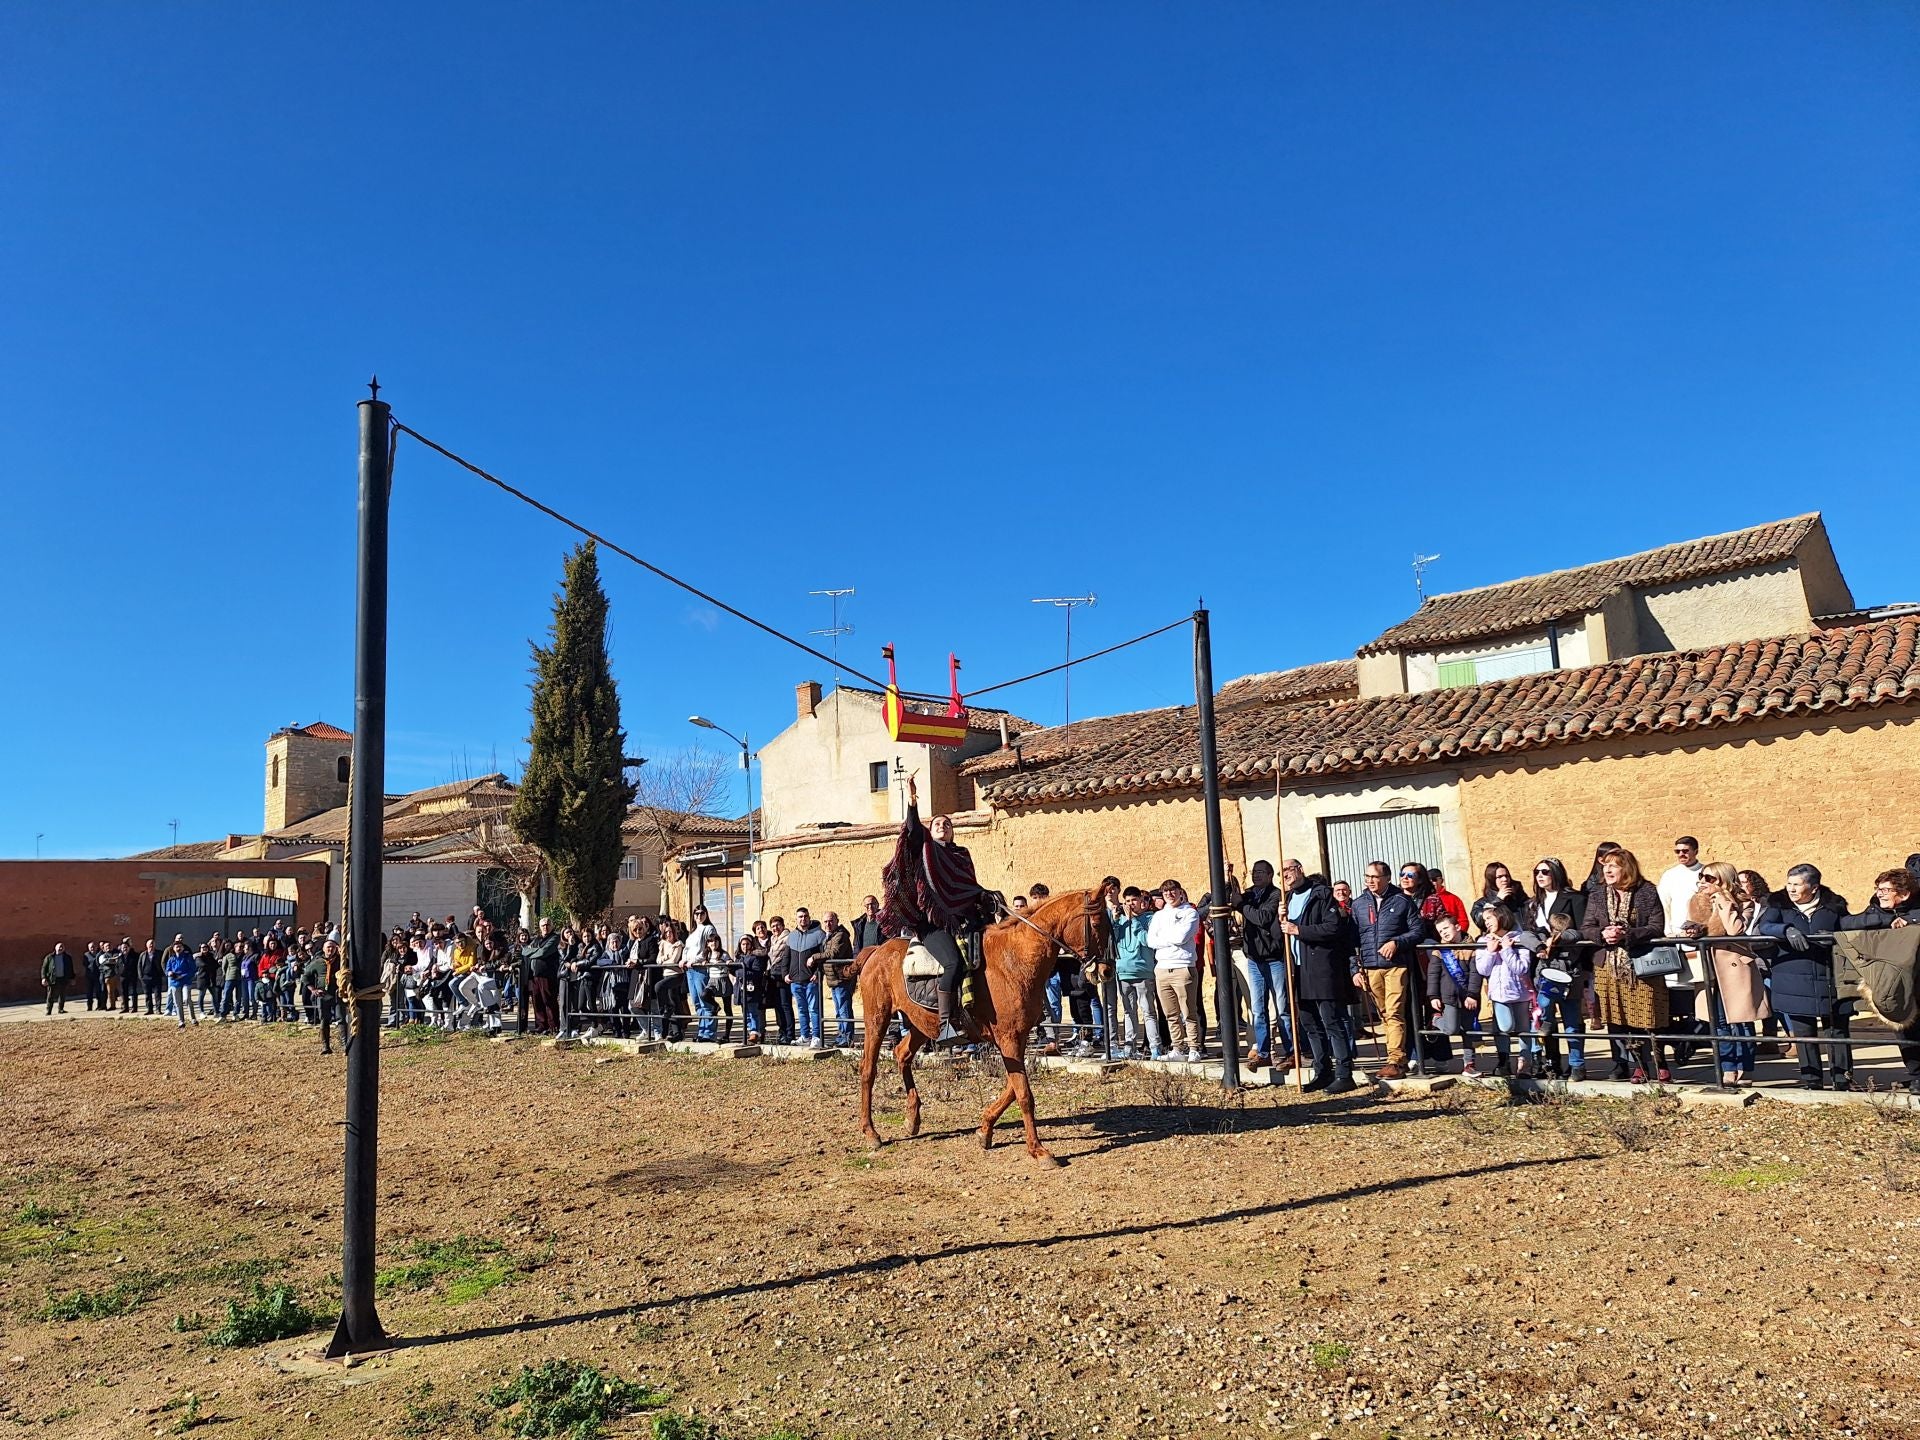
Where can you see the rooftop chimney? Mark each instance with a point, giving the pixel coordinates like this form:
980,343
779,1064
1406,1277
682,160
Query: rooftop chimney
806,697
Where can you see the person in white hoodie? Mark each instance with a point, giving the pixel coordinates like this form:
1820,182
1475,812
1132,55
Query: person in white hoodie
1173,934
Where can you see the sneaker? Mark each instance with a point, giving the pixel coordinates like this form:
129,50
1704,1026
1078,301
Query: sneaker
1470,1071
1577,1072
1193,1057
1158,1054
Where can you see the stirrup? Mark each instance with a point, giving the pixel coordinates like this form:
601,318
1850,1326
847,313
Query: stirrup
949,1035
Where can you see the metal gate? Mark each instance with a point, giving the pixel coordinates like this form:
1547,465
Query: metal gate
195,918
1349,841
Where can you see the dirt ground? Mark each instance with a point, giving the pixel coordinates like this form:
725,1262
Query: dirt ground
1363,1266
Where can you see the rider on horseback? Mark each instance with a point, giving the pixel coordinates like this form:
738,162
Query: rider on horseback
929,890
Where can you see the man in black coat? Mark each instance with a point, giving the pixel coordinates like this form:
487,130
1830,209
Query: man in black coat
1261,907
1800,975
1323,940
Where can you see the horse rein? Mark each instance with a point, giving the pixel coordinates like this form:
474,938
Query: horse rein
1087,913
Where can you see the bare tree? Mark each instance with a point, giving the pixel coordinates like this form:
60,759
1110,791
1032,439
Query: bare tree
493,840
677,784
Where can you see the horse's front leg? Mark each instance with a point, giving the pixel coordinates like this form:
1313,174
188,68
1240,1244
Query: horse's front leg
1022,1089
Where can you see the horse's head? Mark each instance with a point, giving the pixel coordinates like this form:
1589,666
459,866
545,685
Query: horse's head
1078,920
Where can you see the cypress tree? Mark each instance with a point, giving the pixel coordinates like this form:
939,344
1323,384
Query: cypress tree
574,795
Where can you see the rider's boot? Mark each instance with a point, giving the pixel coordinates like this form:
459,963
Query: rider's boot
949,1034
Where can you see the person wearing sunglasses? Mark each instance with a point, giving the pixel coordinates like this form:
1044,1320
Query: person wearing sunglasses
1553,913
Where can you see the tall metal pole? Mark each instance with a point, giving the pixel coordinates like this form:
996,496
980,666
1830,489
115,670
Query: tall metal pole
1224,999
360,1330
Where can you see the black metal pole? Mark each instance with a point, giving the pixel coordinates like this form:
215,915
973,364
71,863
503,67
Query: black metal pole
359,1330
1224,999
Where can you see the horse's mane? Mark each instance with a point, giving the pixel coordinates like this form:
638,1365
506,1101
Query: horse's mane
1045,907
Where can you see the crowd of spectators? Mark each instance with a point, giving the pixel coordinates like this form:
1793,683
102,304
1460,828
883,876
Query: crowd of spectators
1708,961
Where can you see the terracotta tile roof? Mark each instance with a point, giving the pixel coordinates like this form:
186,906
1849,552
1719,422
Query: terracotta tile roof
1328,680
320,730
979,717
1534,601
1831,672
683,824
1083,737
834,834
494,784
191,850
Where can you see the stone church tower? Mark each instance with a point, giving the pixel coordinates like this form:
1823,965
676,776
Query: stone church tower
307,767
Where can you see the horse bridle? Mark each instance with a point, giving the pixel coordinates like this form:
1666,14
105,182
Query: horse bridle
1087,912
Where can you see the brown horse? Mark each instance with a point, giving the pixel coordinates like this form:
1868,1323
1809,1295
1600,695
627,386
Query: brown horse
1019,962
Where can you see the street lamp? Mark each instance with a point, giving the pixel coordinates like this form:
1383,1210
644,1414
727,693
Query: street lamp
746,764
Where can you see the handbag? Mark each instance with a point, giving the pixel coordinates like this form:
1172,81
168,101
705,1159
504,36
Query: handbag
1658,963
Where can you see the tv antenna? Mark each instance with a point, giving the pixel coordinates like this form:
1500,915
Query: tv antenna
834,631
1420,564
1067,604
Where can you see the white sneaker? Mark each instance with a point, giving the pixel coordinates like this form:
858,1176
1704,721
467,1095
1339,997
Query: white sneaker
1193,1057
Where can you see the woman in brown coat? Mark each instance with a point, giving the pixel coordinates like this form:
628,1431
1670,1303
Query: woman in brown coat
1623,919
1721,907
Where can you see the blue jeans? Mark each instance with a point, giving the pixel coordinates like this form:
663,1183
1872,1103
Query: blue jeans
806,1010
697,1001
843,1012
177,996
1563,1018
1739,1051
1514,1017
248,996
1136,1008
1053,999
1268,978
230,1001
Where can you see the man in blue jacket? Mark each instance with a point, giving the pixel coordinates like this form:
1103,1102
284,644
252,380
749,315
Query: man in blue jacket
1389,926
180,970
1133,971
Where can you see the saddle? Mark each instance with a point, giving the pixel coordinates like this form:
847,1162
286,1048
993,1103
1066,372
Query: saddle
920,963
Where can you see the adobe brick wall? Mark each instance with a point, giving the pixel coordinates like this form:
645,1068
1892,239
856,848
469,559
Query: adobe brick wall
78,901
1143,841
1762,797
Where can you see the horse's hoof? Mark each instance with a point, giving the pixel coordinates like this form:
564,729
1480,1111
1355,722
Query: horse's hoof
1053,1161
986,1139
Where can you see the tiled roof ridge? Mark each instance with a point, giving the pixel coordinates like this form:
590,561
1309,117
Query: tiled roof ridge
1453,615
1647,554
1838,670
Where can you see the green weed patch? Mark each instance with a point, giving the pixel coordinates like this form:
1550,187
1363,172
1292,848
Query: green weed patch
265,1315
565,1398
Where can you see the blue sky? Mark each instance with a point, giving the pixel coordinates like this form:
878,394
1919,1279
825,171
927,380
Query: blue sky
958,305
